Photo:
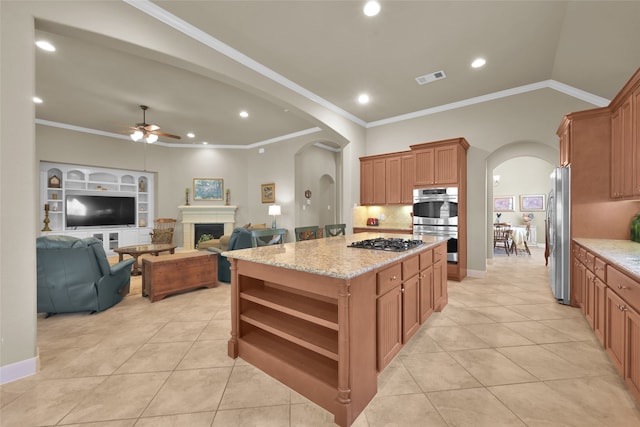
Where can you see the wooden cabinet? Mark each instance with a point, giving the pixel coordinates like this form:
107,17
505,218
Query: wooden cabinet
625,140
622,151
614,330
408,178
393,172
426,280
436,165
440,294
383,179
372,181
410,298
564,132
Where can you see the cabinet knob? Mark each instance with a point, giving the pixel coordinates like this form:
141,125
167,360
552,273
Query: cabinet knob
599,268
621,287
393,278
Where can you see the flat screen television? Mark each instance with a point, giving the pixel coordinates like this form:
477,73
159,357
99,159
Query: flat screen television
83,210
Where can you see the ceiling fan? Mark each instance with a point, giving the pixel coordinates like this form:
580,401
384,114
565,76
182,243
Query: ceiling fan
149,132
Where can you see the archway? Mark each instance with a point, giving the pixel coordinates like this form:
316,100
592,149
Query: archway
522,149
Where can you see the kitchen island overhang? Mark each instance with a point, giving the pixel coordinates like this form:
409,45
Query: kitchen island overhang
309,313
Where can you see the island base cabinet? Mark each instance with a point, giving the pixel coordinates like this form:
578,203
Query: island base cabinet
389,321
614,333
314,333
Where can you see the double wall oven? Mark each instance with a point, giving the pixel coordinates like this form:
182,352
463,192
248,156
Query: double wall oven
435,213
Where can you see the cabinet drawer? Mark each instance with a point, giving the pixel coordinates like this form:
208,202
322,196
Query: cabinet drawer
600,269
410,267
389,278
583,255
623,285
426,259
440,253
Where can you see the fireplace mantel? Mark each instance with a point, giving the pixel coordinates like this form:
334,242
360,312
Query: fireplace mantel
203,214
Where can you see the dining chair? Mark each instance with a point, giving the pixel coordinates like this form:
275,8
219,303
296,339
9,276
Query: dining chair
502,237
267,236
332,230
306,233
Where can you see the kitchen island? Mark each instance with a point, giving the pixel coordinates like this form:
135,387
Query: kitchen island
324,318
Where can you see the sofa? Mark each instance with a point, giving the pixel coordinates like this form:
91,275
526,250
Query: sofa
74,275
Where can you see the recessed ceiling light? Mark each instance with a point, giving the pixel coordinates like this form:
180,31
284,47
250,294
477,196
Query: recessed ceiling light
37,100
363,98
204,143
191,135
371,8
244,114
479,62
45,45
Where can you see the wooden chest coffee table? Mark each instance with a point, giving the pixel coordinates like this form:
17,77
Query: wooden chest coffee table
169,274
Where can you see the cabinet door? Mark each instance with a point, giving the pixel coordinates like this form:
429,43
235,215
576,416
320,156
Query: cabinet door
393,168
439,271
426,293
632,355
366,182
600,290
408,179
410,308
588,307
446,165
424,167
622,152
577,282
635,111
379,182
389,322
565,145
614,330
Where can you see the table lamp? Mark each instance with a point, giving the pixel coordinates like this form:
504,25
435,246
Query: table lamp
275,211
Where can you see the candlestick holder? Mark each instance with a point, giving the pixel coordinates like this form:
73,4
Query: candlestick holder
46,219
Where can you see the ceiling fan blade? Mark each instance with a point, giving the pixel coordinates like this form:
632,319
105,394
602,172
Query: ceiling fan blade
151,128
168,135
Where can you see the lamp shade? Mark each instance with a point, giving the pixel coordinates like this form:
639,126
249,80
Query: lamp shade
274,210
151,138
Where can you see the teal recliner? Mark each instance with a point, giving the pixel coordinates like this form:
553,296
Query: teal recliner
74,275
240,239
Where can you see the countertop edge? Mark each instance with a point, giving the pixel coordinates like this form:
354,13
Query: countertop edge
622,254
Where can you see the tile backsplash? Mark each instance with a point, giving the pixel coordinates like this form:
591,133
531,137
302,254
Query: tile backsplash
389,216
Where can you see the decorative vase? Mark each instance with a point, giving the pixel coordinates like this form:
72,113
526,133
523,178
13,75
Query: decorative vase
228,198
186,199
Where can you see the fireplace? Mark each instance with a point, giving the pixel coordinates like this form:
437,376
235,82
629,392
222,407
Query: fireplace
193,215
214,230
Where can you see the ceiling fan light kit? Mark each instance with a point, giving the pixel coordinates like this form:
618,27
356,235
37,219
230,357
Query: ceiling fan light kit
148,132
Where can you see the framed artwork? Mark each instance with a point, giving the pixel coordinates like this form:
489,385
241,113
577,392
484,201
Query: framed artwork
503,204
268,192
534,202
208,189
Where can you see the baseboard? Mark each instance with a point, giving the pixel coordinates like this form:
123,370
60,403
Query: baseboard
15,371
476,273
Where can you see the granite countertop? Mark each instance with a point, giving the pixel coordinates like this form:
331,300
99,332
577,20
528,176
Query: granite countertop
624,254
331,256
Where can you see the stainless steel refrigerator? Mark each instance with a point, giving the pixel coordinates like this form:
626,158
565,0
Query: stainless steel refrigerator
558,221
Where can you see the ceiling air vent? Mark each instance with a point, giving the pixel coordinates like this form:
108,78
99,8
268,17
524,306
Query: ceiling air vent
428,78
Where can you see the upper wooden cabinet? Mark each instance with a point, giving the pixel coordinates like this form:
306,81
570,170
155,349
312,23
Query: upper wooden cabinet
373,181
440,163
625,141
386,179
564,132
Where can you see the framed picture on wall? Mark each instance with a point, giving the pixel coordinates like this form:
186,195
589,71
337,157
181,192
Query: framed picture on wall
533,202
504,204
208,188
268,192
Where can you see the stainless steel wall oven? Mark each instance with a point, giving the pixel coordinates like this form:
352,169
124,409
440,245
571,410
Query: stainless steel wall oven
435,213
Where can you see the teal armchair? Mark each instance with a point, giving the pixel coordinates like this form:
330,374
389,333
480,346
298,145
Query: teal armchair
74,275
240,239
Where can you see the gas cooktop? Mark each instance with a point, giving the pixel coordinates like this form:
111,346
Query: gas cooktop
383,244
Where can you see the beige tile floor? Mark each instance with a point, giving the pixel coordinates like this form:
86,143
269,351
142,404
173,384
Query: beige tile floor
502,353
